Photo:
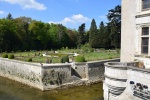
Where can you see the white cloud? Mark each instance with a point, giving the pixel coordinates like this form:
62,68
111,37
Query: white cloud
67,20
79,18
27,4
1,12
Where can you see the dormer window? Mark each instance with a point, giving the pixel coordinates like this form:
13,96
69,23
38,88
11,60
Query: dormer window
145,4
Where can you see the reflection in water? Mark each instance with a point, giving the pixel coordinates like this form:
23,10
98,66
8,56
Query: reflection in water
10,90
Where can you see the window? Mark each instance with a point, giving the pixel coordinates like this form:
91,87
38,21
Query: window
145,40
145,4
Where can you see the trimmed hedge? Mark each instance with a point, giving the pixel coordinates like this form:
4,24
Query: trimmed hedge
5,55
80,58
64,59
11,56
29,59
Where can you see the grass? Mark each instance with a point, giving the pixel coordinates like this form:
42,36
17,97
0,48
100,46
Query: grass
93,56
56,57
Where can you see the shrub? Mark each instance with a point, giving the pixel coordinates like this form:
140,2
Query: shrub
29,59
11,56
64,59
79,58
91,50
5,55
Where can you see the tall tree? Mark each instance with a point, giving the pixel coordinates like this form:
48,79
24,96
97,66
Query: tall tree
104,40
9,16
114,17
93,33
80,35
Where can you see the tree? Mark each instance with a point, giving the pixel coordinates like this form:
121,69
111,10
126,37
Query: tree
72,38
114,17
8,38
40,37
62,36
104,36
23,32
80,35
93,34
9,17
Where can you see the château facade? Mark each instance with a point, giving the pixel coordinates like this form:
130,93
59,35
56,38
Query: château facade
130,78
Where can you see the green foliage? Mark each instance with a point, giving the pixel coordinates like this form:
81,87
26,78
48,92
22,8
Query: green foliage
29,59
93,34
11,56
81,35
114,17
23,33
64,59
5,55
80,58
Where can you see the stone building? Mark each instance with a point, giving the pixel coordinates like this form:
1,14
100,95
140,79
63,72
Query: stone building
135,31
130,79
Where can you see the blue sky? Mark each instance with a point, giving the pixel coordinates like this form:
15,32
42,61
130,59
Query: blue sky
70,13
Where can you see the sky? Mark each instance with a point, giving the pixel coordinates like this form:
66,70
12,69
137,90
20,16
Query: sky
70,13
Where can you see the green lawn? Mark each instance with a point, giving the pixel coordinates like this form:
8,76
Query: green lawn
56,57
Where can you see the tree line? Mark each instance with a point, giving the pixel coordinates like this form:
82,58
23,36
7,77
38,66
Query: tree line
24,33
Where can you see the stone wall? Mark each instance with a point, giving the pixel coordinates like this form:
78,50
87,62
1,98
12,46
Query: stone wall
96,69
41,76
79,70
54,75
48,76
125,81
24,72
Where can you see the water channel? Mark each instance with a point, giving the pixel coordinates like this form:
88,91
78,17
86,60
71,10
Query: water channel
11,90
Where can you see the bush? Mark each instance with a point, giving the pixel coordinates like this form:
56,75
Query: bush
5,55
11,56
80,58
29,59
64,59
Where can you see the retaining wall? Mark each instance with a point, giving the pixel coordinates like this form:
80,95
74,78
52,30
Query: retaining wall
41,76
48,76
96,69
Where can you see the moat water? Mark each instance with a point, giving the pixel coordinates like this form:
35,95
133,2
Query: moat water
11,90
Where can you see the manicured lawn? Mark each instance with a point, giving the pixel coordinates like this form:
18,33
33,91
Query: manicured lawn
55,57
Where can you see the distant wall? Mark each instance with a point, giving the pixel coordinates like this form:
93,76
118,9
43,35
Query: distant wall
80,70
96,69
91,71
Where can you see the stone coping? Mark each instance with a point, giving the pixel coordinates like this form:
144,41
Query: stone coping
117,59
123,65
139,69
22,62
116,65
